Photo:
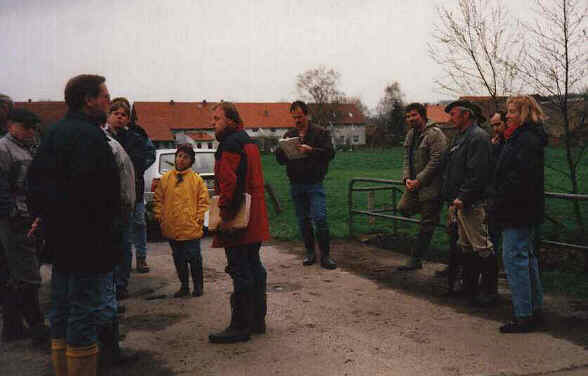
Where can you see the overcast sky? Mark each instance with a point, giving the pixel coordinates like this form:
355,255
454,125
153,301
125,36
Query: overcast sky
245,51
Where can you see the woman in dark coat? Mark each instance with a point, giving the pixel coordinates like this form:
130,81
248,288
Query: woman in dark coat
238,170
519,206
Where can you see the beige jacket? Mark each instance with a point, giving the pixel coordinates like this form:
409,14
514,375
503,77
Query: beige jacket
425,161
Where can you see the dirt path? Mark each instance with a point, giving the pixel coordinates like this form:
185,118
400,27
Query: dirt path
362,319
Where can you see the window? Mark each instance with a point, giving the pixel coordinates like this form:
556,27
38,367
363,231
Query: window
210,145
355,139
273,130
199,145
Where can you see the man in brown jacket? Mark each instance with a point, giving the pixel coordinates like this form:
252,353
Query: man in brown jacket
424,146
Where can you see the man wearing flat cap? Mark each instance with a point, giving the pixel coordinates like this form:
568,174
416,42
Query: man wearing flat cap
21,291
6,105
466,178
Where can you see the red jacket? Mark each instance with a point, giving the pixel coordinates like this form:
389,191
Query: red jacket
233,148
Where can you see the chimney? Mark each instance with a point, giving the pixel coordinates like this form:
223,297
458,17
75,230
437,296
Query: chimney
204,102
171,102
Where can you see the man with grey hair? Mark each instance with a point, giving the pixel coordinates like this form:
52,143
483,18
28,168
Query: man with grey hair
466,178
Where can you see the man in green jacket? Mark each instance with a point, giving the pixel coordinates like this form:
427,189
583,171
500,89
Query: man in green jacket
424,147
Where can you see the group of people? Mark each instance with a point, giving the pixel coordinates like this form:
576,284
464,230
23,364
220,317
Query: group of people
81,191
493,189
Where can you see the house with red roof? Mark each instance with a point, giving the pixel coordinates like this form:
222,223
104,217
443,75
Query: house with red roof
169,123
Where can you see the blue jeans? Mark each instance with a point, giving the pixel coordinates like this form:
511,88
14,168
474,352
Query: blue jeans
122,271
139,230
522,270
245,267
80,305
310,203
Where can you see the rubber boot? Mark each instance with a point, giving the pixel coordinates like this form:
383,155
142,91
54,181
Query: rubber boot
182,270
489,285
111,353
420,249
12,327
471,275
58,359
455,259
142,266
197,277
308,235
324,240
259,300
238,330
82,360
31,311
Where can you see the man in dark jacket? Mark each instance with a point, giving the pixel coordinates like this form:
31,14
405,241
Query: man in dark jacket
306,182
424,149
466,179
74,186
238,170
21,291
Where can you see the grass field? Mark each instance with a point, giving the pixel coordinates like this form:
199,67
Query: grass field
387,164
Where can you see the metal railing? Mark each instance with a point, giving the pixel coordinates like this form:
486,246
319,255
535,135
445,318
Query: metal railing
397,189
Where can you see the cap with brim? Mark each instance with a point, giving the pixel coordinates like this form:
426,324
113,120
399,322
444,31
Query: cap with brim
467,104
25,117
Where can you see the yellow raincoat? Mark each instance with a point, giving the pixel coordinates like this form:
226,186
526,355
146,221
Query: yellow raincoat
179,204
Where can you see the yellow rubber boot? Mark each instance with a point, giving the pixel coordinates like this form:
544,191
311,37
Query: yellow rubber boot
82,360
58,357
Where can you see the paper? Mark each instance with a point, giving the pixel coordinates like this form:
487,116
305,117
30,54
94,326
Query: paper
241,219
290,147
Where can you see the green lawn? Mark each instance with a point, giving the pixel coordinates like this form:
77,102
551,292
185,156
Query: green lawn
387,164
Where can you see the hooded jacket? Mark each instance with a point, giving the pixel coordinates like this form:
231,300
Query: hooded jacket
179,204
519,178
238,169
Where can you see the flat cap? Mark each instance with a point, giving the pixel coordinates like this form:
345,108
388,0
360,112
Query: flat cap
467,104
25,117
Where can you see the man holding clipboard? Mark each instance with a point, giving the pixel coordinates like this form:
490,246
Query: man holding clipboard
238,172
306,176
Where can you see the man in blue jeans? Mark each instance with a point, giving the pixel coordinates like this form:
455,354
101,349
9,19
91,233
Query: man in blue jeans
74,186
306,182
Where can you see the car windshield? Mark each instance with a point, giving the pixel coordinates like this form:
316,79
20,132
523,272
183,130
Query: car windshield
204,163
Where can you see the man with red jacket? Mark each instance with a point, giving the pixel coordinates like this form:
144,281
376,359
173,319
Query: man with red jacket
238,170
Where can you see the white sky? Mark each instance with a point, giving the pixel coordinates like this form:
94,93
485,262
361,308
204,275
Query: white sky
188,50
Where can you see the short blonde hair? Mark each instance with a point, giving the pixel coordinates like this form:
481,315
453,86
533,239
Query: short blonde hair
528,108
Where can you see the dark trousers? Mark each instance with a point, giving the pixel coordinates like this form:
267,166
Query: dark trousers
245,267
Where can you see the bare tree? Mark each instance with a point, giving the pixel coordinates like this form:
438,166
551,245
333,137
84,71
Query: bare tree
477,46
555,67
320,87
389,117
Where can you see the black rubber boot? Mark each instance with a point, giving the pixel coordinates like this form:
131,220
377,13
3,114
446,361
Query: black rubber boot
111,353
31,311
420,249
182,270
471,275
489,285
12,327
259,300
197,278
310,256
324,240
238,330
455,259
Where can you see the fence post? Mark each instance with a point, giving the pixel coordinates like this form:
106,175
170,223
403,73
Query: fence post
371,205
394,227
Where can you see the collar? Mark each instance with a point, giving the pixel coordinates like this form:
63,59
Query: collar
19,143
